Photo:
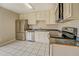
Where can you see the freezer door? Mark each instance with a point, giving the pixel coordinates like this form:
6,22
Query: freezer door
20,36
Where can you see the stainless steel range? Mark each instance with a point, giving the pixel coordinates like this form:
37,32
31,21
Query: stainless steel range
69,35
69,32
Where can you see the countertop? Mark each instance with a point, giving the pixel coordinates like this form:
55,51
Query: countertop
59,40
43,30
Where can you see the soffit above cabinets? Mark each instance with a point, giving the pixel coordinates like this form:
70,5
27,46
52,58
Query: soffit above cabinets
21,8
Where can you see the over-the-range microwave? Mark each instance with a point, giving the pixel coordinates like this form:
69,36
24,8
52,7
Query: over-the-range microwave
59,13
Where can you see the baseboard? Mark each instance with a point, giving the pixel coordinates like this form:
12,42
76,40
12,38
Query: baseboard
7,42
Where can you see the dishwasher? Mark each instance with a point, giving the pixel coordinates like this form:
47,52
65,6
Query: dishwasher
30,36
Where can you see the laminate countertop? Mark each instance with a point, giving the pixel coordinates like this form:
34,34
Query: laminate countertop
63,41
58,39
43,30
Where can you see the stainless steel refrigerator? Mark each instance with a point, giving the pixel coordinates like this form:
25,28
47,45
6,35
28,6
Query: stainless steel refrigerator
21,27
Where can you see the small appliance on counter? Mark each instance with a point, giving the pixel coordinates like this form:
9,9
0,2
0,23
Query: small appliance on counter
69,35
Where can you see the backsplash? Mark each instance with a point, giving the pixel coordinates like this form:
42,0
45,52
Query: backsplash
42,25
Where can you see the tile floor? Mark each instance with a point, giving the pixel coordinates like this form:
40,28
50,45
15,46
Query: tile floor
23,48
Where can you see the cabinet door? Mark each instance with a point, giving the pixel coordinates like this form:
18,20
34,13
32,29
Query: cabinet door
42,37
32,18
52,17
47,17
51,49
23,16
67,10
62,50
30,36
43,15
40,15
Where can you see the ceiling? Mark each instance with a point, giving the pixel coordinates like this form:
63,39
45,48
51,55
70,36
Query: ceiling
21,8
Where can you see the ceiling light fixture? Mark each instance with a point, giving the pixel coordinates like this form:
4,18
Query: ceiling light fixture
28,5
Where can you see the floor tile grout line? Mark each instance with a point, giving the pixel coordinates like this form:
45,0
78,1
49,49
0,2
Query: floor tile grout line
29,46
45,51
38,50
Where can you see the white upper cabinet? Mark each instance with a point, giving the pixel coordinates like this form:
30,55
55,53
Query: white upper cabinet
23,16
48,16
71,11
32,18
52,19
52,16
67,10
42,15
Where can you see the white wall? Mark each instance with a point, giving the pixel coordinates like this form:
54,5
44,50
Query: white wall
73,23
7,25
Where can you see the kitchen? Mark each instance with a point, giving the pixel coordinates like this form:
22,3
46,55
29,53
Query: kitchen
49,24
43,23
39,21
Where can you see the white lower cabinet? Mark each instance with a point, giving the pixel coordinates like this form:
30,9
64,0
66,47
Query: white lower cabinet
62,50
42,36
30,36
51,50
